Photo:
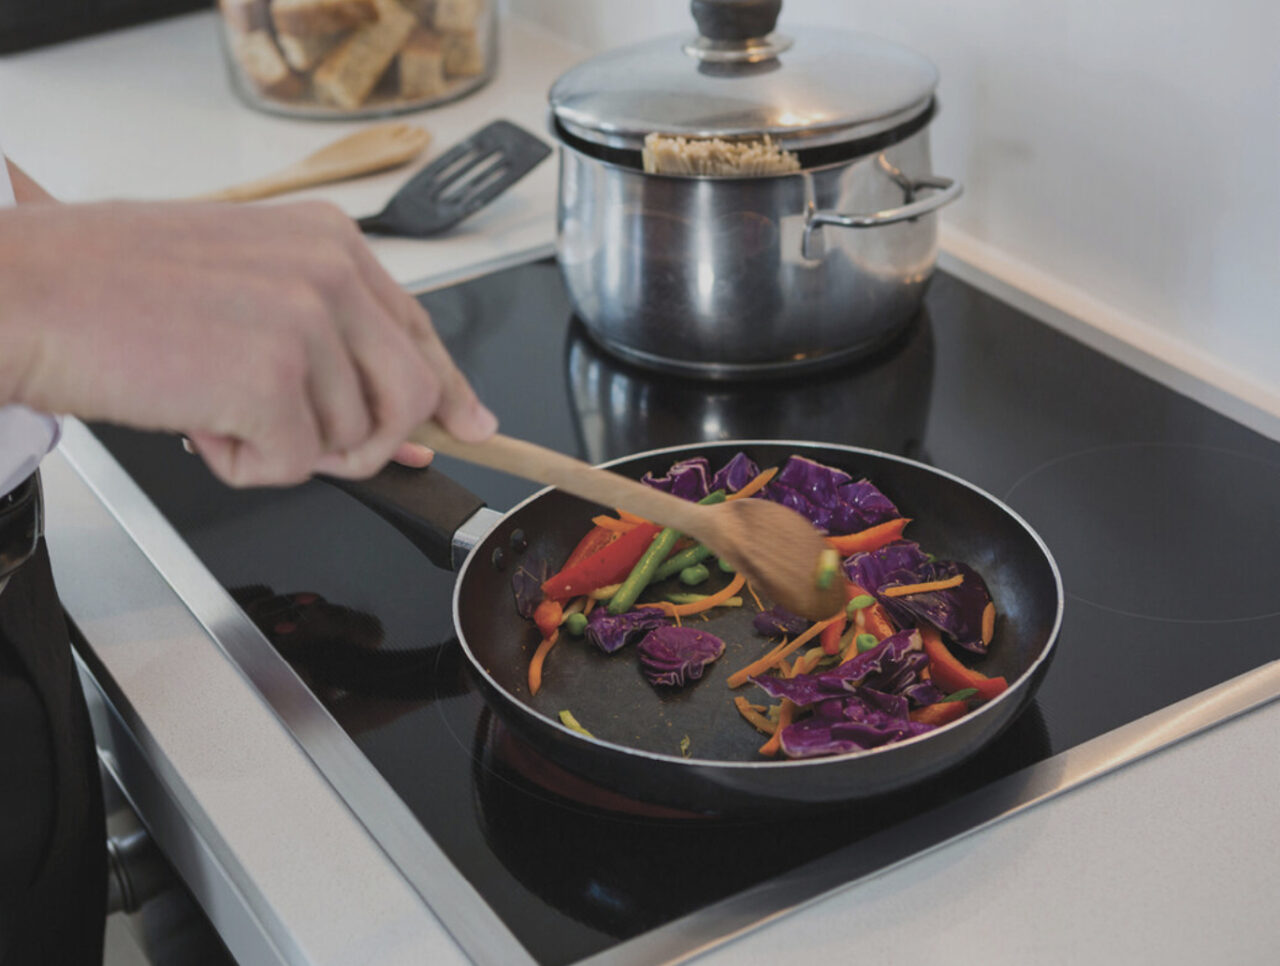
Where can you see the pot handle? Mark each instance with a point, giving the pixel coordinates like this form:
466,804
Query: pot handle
947,191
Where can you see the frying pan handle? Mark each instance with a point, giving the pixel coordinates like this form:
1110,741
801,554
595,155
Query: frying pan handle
423,504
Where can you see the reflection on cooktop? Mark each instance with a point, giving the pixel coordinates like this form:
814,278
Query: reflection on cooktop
879,402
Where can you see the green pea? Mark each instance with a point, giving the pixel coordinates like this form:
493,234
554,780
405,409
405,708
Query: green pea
859,602
576,624
725,566
866,642
692,576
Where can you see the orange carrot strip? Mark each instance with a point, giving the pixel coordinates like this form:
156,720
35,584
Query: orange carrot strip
631,517
711,600
759,721
756,485
739,678
755,597
535,665
589,606
988,622
831,636
547,615
806,664
609,523
905,589
872,538
940,713
785,714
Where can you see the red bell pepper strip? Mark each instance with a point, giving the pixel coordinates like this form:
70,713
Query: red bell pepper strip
596,539
950,675
608,565
872,538
941,713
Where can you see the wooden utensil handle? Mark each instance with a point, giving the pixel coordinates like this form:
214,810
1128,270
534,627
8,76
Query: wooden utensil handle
532,462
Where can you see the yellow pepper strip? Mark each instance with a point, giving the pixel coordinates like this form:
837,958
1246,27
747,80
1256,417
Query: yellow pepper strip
753,714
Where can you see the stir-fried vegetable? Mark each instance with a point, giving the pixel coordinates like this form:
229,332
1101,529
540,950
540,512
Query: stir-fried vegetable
881,670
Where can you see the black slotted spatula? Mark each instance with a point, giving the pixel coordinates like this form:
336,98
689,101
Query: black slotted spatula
460,182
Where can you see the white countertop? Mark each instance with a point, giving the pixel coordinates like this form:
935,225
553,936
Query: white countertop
1168,860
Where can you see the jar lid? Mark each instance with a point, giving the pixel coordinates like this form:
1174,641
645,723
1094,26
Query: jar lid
805,87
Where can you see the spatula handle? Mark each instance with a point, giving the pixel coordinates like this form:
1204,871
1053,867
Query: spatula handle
533,462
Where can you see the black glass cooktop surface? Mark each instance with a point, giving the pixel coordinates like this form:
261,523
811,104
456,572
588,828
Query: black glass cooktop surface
1160,513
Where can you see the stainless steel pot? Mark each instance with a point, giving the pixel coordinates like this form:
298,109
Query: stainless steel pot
728,276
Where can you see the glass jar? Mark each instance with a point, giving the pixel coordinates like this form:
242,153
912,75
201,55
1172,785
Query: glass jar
357,58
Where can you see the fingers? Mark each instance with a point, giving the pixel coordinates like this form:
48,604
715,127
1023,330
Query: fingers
457,407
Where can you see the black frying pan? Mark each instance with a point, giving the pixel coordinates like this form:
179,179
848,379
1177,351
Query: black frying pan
637,729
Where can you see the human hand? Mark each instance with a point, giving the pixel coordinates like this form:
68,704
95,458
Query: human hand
269,335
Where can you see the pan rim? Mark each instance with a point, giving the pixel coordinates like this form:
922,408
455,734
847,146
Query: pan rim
1013,693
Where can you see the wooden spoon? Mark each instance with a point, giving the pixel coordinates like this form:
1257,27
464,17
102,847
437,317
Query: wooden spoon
773,546
367,150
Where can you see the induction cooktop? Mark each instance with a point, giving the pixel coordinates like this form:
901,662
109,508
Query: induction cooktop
1152,505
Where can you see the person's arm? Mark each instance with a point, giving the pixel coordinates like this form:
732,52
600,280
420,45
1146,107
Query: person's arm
269,335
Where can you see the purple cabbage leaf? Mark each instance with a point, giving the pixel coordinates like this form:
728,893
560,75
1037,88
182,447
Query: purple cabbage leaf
829,498
956,612
864,718
735,474
526,584
675,656
892,666
612,632
689,479
778,620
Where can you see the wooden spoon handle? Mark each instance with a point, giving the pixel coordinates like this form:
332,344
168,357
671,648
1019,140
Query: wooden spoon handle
533,462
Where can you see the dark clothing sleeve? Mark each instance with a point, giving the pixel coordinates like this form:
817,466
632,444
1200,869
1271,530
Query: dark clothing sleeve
52,832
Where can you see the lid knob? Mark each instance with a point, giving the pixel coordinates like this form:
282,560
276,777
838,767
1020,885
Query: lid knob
728,20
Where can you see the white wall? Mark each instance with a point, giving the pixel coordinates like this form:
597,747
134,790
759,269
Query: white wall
1121,157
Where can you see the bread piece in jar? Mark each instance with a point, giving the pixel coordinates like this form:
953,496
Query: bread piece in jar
244,16
350,71
303,53
422,66
457,15
319,18
261,63
463,55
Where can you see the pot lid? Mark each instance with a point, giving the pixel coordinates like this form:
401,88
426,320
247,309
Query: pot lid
803,86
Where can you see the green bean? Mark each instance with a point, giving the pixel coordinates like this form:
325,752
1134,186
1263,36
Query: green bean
678,598
685,558
642,573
